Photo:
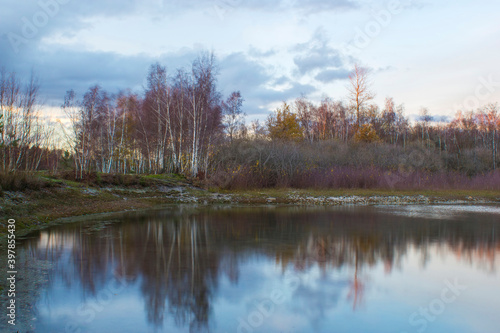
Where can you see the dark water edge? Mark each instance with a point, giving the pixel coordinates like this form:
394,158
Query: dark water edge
184,268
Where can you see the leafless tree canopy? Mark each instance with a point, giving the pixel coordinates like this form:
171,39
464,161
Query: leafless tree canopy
23,136
182,124
173,128
359,90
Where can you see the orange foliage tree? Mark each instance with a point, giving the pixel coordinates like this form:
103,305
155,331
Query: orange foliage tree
366,134
284,124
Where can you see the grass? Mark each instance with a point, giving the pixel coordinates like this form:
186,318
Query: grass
21,181
42,207
434,195
37,199
60,197
170,176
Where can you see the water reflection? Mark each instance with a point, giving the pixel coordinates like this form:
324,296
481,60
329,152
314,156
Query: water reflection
210,269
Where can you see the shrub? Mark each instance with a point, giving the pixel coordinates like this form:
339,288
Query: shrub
366,134
333,164
21,181
100,179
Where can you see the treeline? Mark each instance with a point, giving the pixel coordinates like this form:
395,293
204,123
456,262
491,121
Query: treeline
356,144
331,145
173,128
183,124
24,138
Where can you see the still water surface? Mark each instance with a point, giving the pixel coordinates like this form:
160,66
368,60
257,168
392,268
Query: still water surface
270,269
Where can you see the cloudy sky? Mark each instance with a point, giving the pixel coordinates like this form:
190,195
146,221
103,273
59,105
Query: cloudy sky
440,54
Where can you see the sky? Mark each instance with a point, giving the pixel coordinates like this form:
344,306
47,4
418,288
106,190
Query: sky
441,54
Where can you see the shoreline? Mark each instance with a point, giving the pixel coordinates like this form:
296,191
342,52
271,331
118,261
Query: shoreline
39,209
37,274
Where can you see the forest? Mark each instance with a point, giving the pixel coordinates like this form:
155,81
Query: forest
182,124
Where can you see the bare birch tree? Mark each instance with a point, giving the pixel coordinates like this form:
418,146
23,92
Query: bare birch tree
359,90
233,114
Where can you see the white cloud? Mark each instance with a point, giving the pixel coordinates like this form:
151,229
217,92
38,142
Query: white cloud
269,50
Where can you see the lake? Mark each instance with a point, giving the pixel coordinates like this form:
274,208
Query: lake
266,269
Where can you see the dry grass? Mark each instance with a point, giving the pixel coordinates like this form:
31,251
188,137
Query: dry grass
64,198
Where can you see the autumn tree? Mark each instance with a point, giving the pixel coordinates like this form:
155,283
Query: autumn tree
367,134
327,122
359,90
284,124
306,114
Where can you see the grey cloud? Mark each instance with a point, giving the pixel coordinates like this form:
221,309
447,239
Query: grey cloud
314,61
384,69
21,19
297,90
62,69
112,71
315,302
254,52
32,20
78,71
68,15
268,96
239,72
331,75
305,6
314,6
281,80
435,118
316,54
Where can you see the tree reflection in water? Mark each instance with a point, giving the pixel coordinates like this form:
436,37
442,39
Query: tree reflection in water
179,256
